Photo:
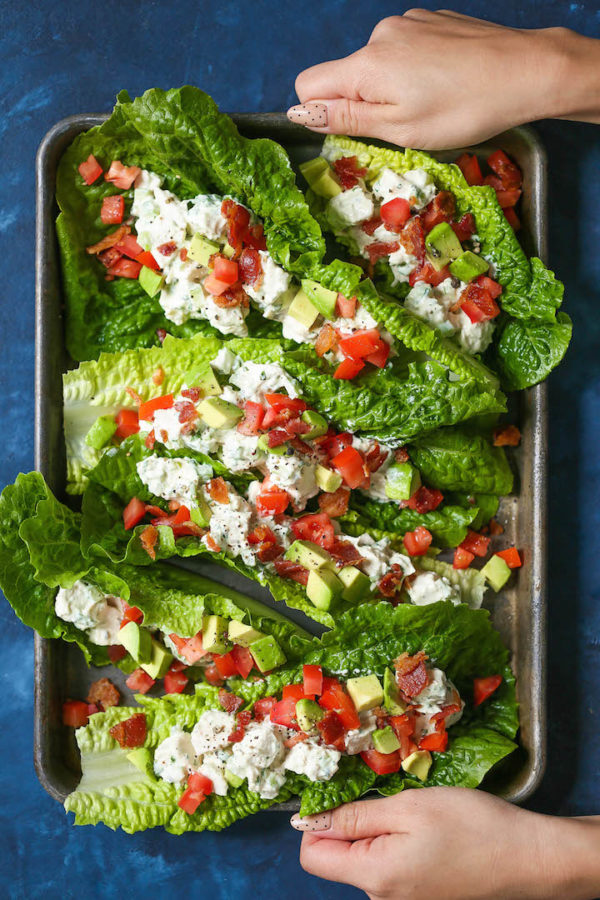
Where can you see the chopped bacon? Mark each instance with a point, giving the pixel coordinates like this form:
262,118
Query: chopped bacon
439,719
411,673
301,446
296,426
158,376
508,436
229,702
261,533
335,504
345,307
148,538
345,553
232,297
326,340
296,739
183,254
187,411
134,396
192,394
440,209
426,272
241,721
217,488
269,551
371,225
167,249
238,220
425,499
495,527
401,455
131,732
391,582
250,267
379,249
348,171
103,693
412,238
212,544
108,240
375,458
109,257
295,571
254,237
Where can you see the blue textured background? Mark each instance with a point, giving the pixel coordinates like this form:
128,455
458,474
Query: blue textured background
66,58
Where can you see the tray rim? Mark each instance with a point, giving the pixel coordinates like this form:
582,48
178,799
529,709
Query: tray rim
536,400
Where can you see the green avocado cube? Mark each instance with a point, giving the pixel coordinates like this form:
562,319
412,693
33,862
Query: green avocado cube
232,779
308,713
313,168
326,185
468,266
267,654
442,245
201,514
201,249
218,413
143,760
309,555
242,634
303,310
321,297
418,764
497,572
391,695
228,251
203,377
318,425
279,450
150,280
137,641
215,634
160,660
323,588
328,480
366,692
401,481
357,585
101,432
384,740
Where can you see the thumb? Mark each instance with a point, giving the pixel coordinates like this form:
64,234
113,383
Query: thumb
350,822
344,116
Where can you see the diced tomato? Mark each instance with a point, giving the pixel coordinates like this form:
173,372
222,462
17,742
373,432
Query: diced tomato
485,687
509,174
426,272
440,209
146,259
200,783
288,569
404,728
283,712
462,558
361,343
179,641
315,527
214,286
128,246
277,437
116,652
295,692
507,436
380,357
334,697
229,702
190,801
131,614
439,719
242,659
296,739
175,682
243,719
332,730
133,513
333,443
261,533
464,228
280,402
147,409
272,502
381,763
417,542
469,166
511,557
412,238
75,712
131,732
312,679
508,198
192,650
512,218
90,170
262,708
488,284
379,249
177,665
348,171
395,213
112,210
253,417
348,369
125,268
345,306
478,304
437,742
127,423
425,499
139,681
122,176
351,466
211,674
335,504
225,270
476,543
225,664
495,527
181,515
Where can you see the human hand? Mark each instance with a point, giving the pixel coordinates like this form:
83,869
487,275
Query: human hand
455,844
436,80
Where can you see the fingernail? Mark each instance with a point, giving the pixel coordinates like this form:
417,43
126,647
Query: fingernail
314,115
320,822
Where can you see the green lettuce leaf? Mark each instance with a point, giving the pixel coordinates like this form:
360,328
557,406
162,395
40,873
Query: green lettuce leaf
460,460
448,524
529,349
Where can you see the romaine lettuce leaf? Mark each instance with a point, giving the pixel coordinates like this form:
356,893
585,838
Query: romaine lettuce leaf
448,524
456,459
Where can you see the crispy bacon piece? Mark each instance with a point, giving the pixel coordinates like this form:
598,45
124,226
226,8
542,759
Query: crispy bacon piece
401,455
183,254
296,739
109,257
348,171
229,702
295,571
440,209
335,504
411,673
508,436
370,226
327,339
217,488
375,458
345,553
148,538
158,376
167,249
379,249
212,544
150,440
103,693
250,267
109,240
232,297
187,411
238,220
131,732
391,582
269,551
412,238
192,394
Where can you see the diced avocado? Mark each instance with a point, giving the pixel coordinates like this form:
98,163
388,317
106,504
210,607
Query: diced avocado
232,779
219,413
309,555
401,481
308,713
356,584
160,660
384,740
328,480
323,588
442,245
201,249
242,634
468,266
318,425
142,759
321,297
228,251
302,309
326,185
201,514
101,432
418,764
497,572
150,280
137,641
366,692
263,443
266,653
214,634
391,695
313,168
204,378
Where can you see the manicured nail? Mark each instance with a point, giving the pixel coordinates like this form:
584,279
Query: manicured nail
320,822
314,115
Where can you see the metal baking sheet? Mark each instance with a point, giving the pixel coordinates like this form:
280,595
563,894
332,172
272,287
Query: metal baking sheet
519,613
